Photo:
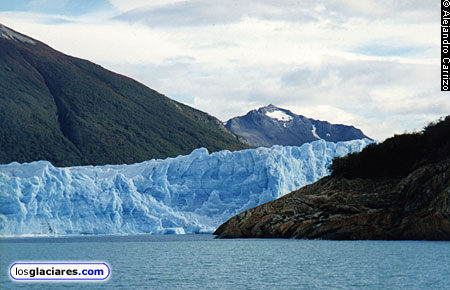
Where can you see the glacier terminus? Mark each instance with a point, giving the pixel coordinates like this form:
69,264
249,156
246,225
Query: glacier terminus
187,194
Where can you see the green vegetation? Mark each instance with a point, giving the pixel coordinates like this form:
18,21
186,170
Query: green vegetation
72,112
399,155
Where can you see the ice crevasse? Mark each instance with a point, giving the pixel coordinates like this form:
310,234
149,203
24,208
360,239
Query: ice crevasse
187,194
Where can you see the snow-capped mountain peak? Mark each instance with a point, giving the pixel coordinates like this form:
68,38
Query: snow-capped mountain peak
271,125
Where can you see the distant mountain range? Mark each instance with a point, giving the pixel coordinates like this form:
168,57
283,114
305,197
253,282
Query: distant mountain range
270,125
71,111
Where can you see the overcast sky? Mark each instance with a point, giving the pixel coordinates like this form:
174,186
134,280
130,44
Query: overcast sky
371,64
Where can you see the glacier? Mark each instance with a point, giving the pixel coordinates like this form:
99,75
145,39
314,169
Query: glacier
187,194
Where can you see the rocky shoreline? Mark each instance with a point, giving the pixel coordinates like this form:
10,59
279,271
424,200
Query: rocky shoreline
416,207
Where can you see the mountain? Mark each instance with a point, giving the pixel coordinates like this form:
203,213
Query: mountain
186,194
70,111
271,125
410,201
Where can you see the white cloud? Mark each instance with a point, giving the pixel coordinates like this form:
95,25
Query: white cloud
127,5
176,13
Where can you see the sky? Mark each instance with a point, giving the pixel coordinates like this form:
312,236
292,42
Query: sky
374,64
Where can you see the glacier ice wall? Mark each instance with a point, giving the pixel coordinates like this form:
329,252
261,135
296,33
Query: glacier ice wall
187,194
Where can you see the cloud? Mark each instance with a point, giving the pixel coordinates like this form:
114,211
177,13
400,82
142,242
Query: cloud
214,12
179,13
388,50
413,11
298,77
127,5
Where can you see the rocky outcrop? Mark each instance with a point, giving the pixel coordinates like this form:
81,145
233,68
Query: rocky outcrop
416,207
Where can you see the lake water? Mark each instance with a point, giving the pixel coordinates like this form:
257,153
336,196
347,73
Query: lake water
201,262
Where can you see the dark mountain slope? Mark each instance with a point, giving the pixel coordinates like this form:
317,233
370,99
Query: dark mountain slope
270,125
409,200
73,112
397,156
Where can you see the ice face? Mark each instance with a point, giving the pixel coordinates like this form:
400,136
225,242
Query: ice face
187,194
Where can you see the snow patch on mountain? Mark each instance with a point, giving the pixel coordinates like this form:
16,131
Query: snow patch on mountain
279,115
313,131
187,194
